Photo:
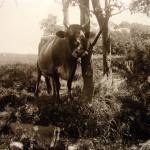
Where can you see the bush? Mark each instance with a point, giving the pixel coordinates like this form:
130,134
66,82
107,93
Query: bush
17,76
122,116
135,105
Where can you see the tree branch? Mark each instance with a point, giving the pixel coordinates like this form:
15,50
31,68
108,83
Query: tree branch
119,12
97,37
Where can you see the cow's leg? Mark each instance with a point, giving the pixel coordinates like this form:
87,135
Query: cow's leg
39,73
47,80
57,85
54,88
69,81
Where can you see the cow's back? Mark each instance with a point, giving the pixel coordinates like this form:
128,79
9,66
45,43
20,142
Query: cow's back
52,54
44,40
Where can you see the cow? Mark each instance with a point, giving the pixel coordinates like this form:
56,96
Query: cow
58,57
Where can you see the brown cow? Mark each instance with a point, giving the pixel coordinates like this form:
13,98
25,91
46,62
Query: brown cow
58,57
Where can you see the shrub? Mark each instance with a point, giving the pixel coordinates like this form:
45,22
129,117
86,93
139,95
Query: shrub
17,76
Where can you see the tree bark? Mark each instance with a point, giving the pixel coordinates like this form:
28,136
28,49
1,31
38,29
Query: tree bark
105,48
86,62
66,11
101,19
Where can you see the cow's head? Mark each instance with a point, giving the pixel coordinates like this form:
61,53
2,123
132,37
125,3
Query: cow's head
76,40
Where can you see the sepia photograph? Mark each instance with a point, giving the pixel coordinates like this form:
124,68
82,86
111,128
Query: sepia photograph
75,75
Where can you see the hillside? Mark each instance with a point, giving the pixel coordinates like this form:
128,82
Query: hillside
9,58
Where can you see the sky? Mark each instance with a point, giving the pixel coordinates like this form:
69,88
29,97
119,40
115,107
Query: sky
20,23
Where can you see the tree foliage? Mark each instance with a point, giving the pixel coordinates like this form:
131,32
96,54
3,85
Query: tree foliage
121,42
126,38
138,52
49,25
140,6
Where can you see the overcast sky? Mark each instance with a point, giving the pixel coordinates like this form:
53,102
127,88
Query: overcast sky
20,24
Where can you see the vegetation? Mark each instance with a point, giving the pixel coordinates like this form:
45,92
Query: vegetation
119,113
140,6
50,25
119,116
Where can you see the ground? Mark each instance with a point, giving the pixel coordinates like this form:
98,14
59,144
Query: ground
106,123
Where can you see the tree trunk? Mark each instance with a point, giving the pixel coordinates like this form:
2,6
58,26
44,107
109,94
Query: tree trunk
101,19
66,11
105,49
86,62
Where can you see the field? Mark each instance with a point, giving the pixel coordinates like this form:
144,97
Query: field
113,120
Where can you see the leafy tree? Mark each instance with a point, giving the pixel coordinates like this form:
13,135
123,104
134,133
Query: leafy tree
138,51
140,6
124,25
140,31
49,25
126,38
103,15
121,42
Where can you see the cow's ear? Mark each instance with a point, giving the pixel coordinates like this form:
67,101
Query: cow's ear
61,34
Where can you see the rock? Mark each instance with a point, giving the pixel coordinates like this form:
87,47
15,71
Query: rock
72,147
81,144
4,114
16,146
43,135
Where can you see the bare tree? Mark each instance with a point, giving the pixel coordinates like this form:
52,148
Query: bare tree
86,62
102,19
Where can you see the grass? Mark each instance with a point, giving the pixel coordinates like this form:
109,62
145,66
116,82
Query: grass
114,116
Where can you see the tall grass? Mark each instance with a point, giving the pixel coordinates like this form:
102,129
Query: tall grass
111,116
